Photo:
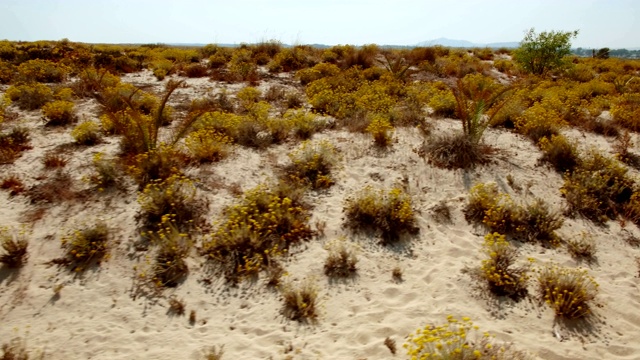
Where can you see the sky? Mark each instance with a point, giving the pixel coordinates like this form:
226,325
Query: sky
601,23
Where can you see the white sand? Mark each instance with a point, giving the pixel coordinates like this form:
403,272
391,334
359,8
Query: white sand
95,317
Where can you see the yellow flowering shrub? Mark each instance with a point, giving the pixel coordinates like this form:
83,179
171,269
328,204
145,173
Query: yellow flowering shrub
561,153
59,112
381,129
312,164
626,111
29,96
503,278
317,72
599,188
300,302
86,246
539,121
175,198
106,174
568,291
389,212
173,247
458,339
257,230
206,145
87,133
43,71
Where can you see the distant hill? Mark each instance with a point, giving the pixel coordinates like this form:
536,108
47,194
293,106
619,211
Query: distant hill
466,44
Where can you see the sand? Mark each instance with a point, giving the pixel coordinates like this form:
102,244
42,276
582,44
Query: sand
96,316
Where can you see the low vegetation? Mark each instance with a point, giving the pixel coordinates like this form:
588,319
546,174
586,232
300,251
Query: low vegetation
14,248
569,292
86,247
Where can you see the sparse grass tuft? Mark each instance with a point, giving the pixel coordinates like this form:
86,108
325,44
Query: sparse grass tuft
13,184
582,247
176,306
214,353
387,211
568,291
456,151
498,270
54,161
312,163
341,261
14,350
391,345
15,248
300,303
86,246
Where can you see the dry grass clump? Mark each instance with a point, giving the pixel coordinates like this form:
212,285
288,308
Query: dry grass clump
312,164
560,153
86,246
15,248
14,350
458,339
300,302
53,161
174,198
599,189
341,261
391,345
621,149
501,214
106,174
214,353
12,144
13,184
456,151
177,306
498,270
582,247
57,188
169,268
568,291
388,212
258,229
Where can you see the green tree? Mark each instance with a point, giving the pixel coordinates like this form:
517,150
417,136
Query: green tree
540,53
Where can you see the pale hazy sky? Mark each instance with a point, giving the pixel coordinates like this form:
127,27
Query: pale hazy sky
602,23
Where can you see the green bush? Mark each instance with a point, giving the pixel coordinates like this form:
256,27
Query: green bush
543,52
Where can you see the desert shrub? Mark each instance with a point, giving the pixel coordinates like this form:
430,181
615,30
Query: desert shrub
106,174
498,270
289,59
57,188
507,115
303,123
252,130
207,145
568,291
7,71
598,189
258,229
13,143
170,268
381,129
13,184
173,197
59,113
91,81
626,111
14,350
242,67
504,66
539,121
43,71
63,93
341,261
86,246
157,164
581,73
456,151
87,133
195,70
14,246
317,72
582,247
248,96
300,303
275,94
498,212
29,96
312,164
52,160
621,150
442,101
388,212
560,153
454,341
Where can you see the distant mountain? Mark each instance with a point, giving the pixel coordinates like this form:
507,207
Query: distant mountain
466,44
